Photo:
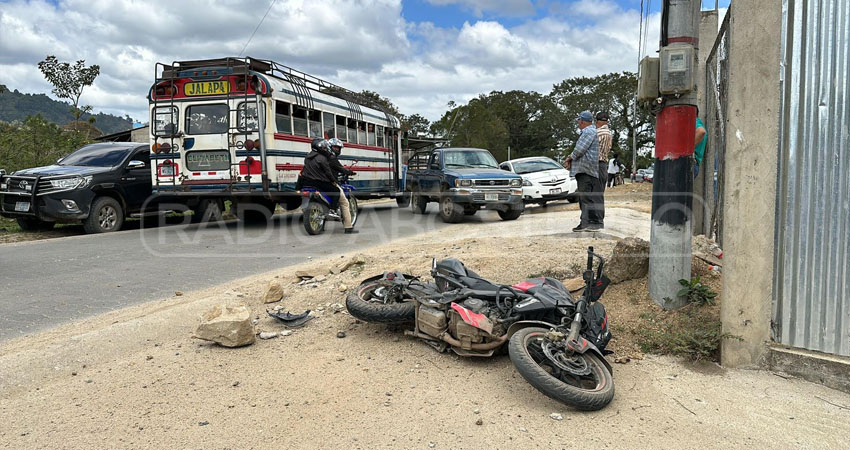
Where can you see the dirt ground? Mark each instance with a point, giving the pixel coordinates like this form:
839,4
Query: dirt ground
135,378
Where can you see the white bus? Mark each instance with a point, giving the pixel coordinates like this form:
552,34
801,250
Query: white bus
209,145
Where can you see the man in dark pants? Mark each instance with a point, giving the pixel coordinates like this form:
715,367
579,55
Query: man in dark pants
603,133
584,163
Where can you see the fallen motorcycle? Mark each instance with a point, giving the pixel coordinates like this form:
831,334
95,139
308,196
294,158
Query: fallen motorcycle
555,342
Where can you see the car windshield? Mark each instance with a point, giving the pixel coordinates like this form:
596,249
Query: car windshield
96,155
467,158
536,165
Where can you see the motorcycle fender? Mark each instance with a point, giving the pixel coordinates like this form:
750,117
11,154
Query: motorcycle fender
592,348
305,202
516,326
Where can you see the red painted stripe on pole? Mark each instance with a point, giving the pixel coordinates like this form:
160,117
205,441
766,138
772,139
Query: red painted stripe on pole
684,39
676,131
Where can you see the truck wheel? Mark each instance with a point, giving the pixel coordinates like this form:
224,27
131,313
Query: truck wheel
418,202
33,224
404,200
105,215
511,214
450,211
208,210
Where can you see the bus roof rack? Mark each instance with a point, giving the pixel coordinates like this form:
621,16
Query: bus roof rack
239,65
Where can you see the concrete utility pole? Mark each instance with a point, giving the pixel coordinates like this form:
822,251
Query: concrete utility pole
670,246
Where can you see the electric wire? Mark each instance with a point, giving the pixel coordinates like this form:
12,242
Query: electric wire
257,28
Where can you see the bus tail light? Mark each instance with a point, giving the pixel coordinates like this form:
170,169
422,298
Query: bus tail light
249,145
257,144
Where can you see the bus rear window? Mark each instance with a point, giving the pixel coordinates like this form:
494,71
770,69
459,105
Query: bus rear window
207,119
165,120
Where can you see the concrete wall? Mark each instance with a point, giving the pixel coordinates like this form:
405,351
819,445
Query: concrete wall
752,141
707,34
141,134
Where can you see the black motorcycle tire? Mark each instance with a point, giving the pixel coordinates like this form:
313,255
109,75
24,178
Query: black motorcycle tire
314,217
360,307
543,381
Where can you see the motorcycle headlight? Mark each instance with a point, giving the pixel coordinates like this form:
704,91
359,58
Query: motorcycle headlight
518,182
70,183
526,182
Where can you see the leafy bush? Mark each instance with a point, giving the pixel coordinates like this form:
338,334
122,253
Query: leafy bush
696,292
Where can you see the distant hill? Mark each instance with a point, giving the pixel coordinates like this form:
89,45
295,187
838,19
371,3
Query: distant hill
17,106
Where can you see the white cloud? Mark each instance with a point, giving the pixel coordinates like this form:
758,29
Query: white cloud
360,45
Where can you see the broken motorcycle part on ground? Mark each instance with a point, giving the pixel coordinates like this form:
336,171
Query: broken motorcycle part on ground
292,320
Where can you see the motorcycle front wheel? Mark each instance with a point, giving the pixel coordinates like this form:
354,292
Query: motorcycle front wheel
375,301
354,209
314,217
553,372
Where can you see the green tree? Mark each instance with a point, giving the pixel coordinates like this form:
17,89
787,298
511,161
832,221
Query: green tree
474,125
3,88
415,124
34,143
69,81
614,93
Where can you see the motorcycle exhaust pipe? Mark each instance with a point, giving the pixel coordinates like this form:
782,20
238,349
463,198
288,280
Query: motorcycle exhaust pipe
485,346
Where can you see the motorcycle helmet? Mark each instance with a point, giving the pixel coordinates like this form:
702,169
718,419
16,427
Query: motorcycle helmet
334,142
319,144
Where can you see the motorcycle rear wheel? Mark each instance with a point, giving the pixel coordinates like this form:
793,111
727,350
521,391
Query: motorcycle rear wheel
370,303
588,393
314,218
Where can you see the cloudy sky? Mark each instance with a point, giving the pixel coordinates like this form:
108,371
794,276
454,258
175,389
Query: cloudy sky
419,53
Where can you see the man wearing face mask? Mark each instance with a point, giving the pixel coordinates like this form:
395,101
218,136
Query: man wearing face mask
584,164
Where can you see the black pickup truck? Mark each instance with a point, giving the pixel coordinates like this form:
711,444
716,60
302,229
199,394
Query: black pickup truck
462,181
99,184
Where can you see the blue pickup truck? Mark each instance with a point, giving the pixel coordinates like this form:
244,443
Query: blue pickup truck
462,181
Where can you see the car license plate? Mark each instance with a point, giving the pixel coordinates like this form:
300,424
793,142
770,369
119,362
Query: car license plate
22,206
555,191
206,88
166,171
491,197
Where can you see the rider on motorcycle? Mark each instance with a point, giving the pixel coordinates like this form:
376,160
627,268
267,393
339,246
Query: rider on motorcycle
318,174
336,149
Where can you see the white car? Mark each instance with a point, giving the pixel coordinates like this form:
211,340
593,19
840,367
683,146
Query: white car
543,179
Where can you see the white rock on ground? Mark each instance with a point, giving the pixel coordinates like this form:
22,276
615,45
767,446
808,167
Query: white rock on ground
268,335
274,292
227,325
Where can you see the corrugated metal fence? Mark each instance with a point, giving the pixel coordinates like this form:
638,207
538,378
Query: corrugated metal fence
812,264
714,111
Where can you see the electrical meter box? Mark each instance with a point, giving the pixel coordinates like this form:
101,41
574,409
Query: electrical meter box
678,74
648,81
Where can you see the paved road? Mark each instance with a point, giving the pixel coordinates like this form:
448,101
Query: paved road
50,282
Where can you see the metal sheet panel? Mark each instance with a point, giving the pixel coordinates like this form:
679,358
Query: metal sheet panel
812,265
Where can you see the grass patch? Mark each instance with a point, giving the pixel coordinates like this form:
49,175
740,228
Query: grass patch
693,332
9,225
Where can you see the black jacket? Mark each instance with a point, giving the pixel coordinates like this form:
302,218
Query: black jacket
337,166
317,166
